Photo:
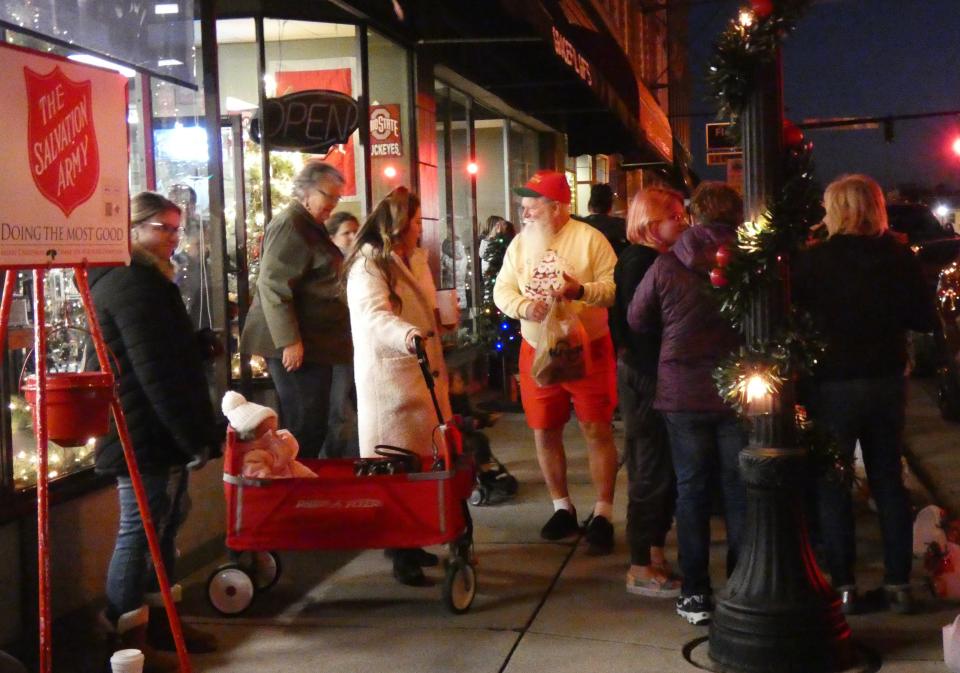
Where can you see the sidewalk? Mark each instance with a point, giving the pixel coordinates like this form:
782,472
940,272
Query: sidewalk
540,606
933,446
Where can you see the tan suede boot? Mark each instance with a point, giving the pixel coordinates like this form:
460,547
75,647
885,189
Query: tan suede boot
160,635
130,632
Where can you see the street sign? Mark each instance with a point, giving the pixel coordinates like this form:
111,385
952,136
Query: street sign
718,141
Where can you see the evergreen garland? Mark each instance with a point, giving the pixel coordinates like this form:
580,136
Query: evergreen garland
742,48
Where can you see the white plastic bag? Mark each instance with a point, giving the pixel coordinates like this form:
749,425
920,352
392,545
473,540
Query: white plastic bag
951,645
563,350
927,529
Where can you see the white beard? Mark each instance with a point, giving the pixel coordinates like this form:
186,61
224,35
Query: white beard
538,236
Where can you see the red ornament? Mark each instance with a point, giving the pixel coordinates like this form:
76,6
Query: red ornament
792,135
762,8
718,278
723,256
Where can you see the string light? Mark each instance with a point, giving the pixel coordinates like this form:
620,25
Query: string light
750,234
746,18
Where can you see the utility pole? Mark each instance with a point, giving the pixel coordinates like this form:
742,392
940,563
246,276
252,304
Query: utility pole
777,614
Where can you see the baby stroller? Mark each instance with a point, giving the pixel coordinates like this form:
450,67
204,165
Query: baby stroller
494,483
349,505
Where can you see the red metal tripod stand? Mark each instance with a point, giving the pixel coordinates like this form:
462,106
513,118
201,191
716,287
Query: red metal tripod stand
41,430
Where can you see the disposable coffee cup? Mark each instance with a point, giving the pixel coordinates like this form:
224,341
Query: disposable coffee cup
449,307
127,661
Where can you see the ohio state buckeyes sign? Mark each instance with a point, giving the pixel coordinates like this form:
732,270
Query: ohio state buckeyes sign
64,199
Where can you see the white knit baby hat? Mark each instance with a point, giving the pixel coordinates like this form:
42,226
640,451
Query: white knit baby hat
244,416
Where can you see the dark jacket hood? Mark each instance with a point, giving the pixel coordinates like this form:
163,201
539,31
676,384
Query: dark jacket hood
697,246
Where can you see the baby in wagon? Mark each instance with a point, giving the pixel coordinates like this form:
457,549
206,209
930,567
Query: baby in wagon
268,453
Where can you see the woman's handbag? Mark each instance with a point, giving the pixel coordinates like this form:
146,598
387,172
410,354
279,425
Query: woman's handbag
563,349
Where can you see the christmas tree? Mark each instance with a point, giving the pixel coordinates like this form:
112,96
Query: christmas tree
495,329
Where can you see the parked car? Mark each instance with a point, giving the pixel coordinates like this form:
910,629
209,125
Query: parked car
937,245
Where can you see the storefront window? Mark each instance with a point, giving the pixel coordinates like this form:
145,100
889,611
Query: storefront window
390,116
302,56
523,159
457,200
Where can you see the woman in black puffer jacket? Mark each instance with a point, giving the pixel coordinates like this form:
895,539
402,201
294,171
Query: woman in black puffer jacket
171,420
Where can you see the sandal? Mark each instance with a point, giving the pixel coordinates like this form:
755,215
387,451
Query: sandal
655,587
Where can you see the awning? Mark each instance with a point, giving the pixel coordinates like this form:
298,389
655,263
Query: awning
553,60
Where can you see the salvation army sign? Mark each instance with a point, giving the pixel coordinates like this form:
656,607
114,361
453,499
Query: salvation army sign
64,161
64,198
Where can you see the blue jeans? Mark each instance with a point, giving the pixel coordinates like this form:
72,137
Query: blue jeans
305,401
705,447
342,440
130,575
873,411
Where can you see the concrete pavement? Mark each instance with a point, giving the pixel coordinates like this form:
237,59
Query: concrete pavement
540,606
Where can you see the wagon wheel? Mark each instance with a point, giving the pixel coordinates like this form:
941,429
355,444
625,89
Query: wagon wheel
230,589
459,586
263,567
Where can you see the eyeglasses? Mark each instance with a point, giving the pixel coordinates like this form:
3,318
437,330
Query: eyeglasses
167,228
335,198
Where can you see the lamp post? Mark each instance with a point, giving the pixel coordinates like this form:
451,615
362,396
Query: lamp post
777,613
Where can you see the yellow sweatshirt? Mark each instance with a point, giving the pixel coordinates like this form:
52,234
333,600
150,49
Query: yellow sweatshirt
531,268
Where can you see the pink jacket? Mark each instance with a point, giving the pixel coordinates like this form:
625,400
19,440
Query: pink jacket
273,456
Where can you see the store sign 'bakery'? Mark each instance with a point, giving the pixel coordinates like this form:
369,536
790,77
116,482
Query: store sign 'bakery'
571,56
385,140
309,121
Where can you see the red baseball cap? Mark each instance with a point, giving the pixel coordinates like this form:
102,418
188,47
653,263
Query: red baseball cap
548,184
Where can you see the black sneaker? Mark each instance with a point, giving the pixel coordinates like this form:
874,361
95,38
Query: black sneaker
562,524
599,536
900,599
696,608
850,603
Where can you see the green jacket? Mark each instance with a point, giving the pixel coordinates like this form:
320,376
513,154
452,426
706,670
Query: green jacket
298,294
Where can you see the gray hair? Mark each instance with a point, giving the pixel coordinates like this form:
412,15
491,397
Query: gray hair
312,174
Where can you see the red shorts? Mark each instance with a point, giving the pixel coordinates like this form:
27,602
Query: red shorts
594,397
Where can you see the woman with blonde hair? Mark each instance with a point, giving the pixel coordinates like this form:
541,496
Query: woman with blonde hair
392,300
654,221
864,290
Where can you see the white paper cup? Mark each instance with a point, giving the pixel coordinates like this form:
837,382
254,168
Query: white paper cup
448,306
127,661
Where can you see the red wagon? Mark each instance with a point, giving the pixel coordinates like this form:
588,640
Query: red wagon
339,510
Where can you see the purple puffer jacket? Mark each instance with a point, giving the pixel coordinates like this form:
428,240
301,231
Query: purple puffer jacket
675,296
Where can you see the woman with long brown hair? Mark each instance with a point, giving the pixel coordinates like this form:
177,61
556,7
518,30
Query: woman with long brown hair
392,300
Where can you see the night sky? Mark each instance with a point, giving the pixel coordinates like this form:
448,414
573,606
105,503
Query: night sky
857,58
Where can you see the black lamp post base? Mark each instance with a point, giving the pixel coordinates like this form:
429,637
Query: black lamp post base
778,614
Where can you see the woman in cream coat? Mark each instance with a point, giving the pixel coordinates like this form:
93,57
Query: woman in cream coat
392,299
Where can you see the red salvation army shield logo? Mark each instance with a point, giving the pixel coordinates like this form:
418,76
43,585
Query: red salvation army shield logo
62,143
